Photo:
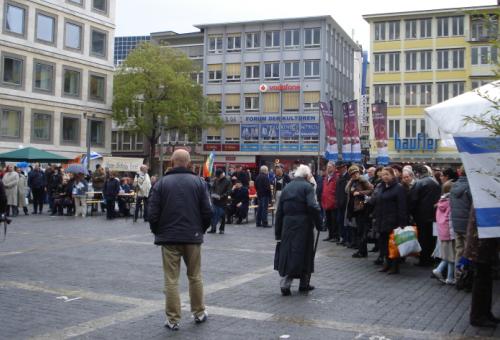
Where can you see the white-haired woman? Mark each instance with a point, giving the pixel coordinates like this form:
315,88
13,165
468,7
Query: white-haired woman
297,215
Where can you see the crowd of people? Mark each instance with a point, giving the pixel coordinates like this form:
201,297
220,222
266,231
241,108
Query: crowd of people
65,193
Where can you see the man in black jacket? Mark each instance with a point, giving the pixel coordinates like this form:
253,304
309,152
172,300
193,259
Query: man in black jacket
423,198
220,193
179,214
341,201
263,187
37,184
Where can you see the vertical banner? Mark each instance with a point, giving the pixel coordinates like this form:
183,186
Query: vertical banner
346,138
480,154
354,128
379,116
331,148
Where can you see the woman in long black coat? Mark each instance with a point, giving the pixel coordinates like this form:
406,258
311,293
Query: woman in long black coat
297,215
390,212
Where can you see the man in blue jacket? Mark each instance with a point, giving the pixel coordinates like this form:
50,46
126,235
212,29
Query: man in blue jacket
179,214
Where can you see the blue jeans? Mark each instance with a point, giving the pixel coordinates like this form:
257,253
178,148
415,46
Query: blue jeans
217,214
262,211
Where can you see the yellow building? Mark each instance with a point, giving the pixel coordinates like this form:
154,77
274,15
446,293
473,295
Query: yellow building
421,58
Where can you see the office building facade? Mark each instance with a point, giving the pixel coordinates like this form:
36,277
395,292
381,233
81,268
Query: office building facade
422,58
123,46
56,75
268,78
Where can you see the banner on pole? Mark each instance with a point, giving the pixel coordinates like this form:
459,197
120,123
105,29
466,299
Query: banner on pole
346,139
354,131
480,154
331,147
379,116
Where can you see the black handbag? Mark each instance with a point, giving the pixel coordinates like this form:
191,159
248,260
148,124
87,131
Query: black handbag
277,256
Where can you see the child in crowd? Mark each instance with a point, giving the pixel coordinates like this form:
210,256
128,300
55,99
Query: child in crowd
446,238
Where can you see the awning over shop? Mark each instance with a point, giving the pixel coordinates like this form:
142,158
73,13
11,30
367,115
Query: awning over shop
31,154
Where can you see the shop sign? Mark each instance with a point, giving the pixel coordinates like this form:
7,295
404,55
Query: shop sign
230,147
281,118
279,87
421,143
212,147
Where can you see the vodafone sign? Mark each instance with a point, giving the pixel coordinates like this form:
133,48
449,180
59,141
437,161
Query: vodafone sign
279,87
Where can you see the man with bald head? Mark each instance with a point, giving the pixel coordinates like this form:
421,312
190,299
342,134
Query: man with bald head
179,214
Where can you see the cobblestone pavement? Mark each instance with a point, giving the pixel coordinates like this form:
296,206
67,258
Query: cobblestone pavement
62,277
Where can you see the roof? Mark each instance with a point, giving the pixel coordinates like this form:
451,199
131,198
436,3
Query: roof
369,17
321,17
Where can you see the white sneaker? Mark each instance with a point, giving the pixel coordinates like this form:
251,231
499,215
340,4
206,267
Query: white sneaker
451,282
437,274
173,326
201,318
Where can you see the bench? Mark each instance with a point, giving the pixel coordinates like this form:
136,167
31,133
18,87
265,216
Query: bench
270,209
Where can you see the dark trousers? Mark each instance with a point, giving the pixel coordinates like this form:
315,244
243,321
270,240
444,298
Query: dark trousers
138,202
110,207
331,223
426,240
37,199
340,223
262,211
383,244
482,289
362,232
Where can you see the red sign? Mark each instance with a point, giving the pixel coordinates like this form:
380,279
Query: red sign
231,147
230,158
212,147
279,87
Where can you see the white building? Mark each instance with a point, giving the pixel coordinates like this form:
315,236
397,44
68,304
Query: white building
56,75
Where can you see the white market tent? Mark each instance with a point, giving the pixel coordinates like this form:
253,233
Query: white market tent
447,118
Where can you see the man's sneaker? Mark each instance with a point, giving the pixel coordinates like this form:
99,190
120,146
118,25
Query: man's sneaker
438,275
451,282
173,326
201,318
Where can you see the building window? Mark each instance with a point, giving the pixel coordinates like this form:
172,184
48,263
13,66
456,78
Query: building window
426,28
443,91
292,38
393,30
457,88
232,134
76,2
411,61
311,100
311,68
411,94
252,72
394,94
379,62
73,36
291,69
15,19
272,71
312,37
443,56
41,128
232,102
252,102
443,27
100,5
393,62
484,28
96,132
215,44
213,136
411,29
97,87
458,58
72,82
273,39
70,130
425,60
233,72
253,40
216,100
12,70
425,94
291,101
271,102
234,43
457,26
451,59
394,128
45,28
479,83
214,73
380,31
10,123
484,55
43,76
411,128
98,45
379,93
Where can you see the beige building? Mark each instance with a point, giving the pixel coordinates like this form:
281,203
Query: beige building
56,75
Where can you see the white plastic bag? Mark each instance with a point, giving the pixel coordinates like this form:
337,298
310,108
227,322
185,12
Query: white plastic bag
407,241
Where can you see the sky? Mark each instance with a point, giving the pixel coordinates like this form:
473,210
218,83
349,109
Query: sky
141,17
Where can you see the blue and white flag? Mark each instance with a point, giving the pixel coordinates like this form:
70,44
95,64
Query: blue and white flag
480,154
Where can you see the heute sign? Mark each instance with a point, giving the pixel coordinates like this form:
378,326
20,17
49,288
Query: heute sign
278,87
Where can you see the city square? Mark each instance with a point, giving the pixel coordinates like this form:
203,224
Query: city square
94,279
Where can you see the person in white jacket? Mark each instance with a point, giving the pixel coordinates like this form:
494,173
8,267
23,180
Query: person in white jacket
10,181
142,185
